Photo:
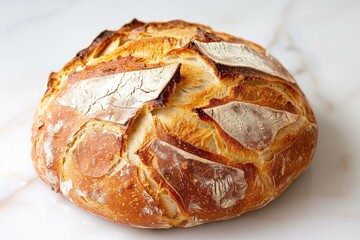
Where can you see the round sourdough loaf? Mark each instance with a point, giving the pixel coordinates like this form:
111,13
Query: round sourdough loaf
172,124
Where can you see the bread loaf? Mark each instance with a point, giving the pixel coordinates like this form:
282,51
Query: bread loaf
172,124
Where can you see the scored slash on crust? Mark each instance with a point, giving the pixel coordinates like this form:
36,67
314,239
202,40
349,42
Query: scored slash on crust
118,97
253,126
190,174
241,55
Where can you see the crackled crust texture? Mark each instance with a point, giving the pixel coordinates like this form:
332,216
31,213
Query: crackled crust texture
172,124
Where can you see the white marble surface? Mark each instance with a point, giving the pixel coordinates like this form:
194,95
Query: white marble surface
317,40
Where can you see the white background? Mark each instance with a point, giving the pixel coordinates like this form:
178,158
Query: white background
318,41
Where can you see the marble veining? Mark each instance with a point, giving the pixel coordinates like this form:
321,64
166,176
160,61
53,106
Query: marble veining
317,41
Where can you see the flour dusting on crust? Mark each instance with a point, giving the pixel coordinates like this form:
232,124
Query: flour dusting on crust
241,55
117,97
254,126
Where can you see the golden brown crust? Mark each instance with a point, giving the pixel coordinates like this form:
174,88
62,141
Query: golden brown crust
172,124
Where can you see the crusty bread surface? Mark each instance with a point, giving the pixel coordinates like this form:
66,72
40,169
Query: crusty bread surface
172,124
